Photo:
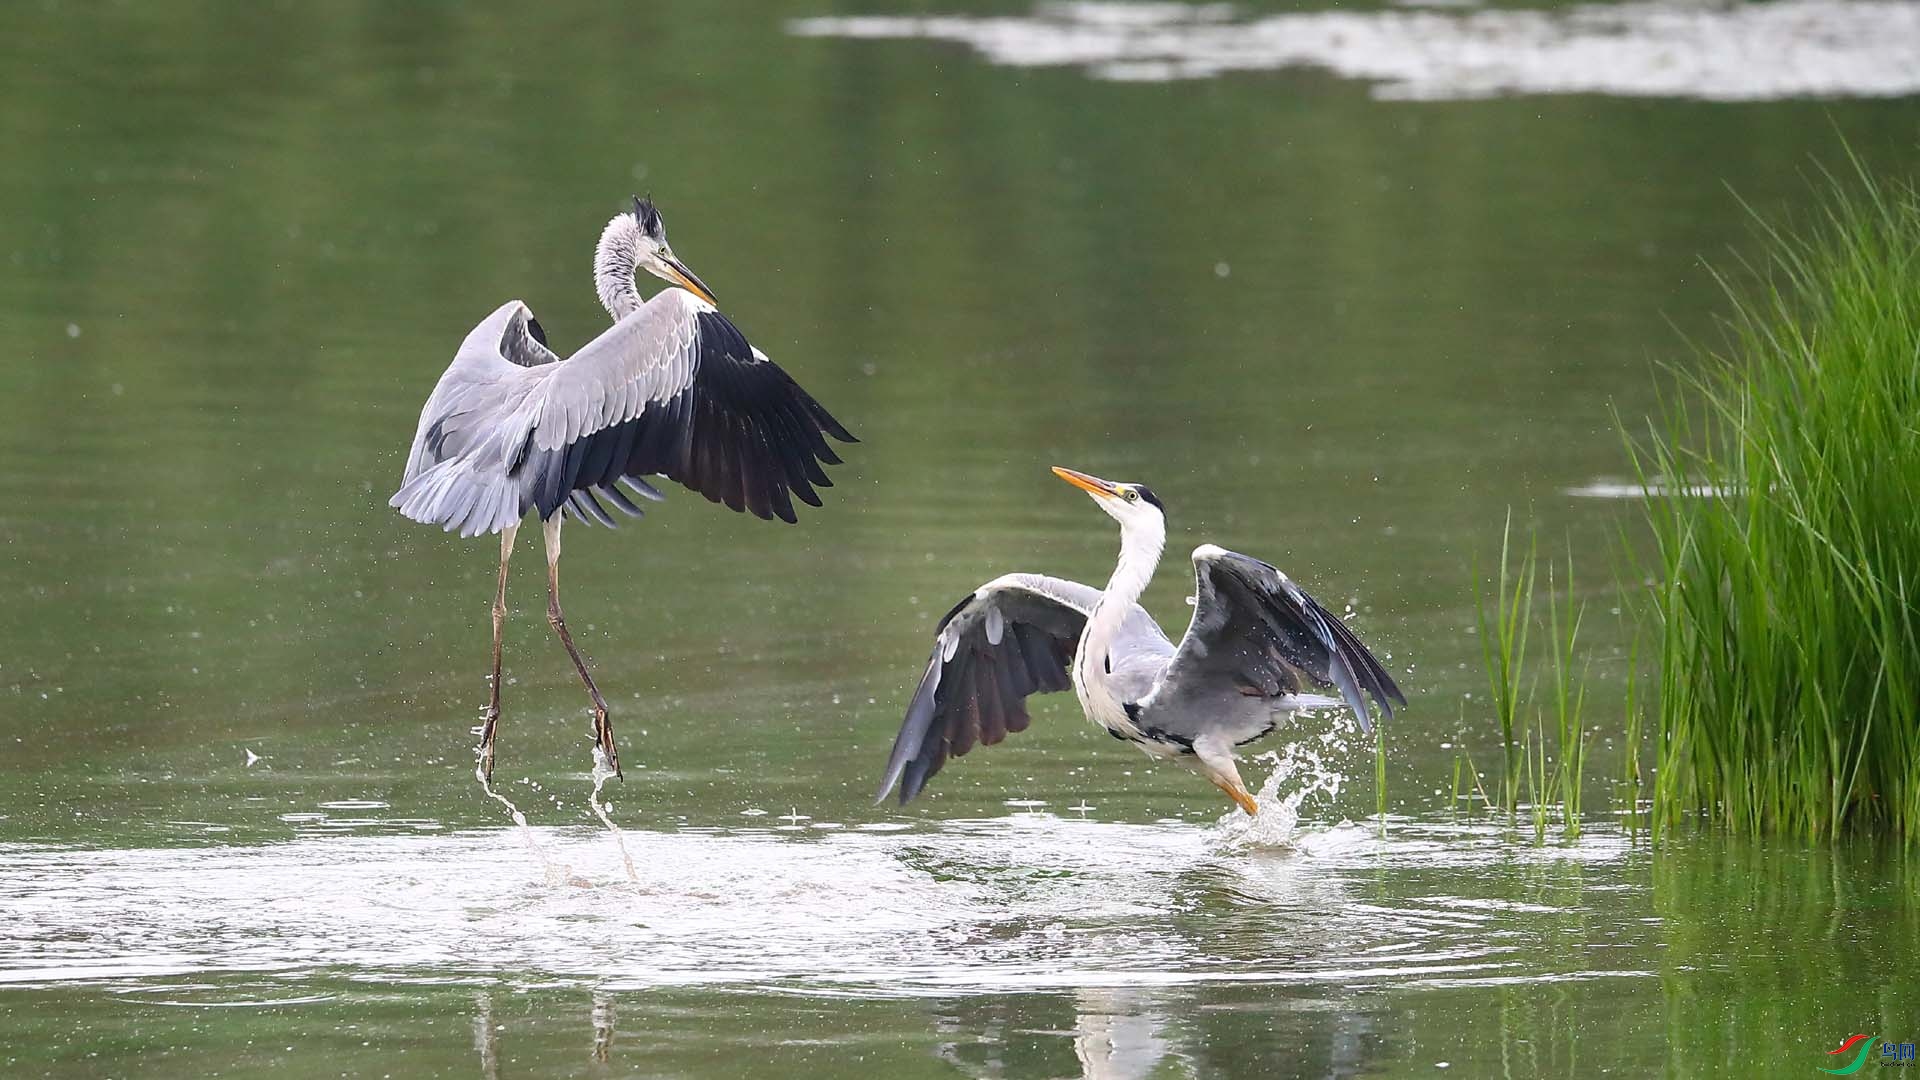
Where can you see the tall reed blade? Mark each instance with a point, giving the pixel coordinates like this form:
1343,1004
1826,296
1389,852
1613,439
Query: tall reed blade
1788,594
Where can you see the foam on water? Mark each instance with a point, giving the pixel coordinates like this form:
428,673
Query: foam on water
1648,48
1020,902
1604,488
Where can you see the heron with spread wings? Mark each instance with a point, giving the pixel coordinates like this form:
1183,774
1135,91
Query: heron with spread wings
672,389
1255,643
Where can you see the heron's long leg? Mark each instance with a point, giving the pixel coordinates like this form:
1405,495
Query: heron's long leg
602,727
492,716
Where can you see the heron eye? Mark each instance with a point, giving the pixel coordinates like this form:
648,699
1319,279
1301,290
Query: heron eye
1132,495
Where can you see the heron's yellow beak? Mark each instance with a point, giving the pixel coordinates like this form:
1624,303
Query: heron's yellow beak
1091,484
678,273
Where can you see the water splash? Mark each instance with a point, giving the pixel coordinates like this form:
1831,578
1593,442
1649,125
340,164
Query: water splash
556,873
1302,771
601,771
1018,903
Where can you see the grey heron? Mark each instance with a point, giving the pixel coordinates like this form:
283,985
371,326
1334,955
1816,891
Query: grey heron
671,389
1255,639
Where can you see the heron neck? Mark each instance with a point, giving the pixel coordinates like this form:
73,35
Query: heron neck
1140,549
615,259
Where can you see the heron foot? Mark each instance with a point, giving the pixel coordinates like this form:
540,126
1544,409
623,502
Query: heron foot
488,719
1241,798
603,738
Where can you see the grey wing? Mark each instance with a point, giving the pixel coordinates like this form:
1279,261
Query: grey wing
1255,632
1011,638
691,400
673,389
472,426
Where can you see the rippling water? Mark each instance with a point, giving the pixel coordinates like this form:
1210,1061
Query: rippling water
1044,943
1453,50
1028,902
1031,901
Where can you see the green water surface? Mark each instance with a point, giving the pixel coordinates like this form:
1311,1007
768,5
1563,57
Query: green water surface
239,833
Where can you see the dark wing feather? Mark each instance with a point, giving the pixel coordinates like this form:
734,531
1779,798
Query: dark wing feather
524,342
672,389
1012,638
742,432
1255,627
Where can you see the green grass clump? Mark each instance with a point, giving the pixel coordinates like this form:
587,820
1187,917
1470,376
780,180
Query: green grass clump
1783,489
1503,649
1503,652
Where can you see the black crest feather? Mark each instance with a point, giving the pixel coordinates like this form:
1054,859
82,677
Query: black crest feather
1147,494
648,217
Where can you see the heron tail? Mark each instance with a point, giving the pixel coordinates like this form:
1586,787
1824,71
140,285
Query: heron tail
459,498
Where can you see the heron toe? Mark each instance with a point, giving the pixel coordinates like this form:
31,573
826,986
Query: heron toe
603,738
486,744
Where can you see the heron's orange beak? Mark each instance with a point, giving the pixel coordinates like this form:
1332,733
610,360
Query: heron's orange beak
1091,484
678,273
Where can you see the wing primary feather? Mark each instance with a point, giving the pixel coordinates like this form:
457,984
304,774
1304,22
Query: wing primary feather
827,422
1361,667
1008,696
974,689
1254,625
965,731
595,510
616,460
913,732
986,681
618,498
765,475
641,488
794,459
1036,647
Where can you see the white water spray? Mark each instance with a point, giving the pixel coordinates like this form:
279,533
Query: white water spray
555,873
1298,767
601,771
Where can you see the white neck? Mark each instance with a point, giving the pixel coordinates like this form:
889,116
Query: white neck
614,260
1140,547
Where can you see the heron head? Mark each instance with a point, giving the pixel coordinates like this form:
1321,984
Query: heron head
656,257
1131,505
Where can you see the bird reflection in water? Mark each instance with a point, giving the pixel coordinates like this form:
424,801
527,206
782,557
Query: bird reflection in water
602,1015
486,1039
1116,1034
1116,1037
486,1033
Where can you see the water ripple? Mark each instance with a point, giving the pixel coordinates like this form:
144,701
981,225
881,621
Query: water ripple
1023,902
1652,48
